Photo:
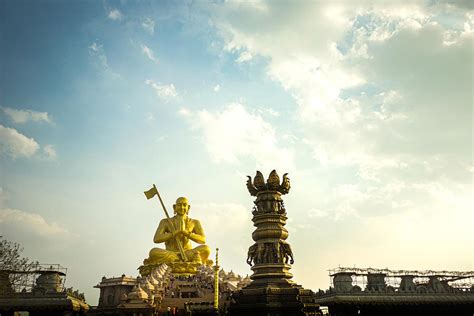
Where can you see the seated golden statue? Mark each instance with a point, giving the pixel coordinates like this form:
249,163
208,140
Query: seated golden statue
176,232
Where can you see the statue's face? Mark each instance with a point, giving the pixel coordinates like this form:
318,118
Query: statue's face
181,207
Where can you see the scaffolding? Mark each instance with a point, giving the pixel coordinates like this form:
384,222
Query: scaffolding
459,280
25,280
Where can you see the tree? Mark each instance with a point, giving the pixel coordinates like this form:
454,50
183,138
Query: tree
10,256
12,265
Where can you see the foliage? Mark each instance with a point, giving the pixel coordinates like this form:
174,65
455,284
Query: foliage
12,267
11,258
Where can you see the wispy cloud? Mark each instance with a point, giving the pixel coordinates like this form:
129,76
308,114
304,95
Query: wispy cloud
50,152
166,92
35,223
115,14
217,88
269,112
15,144
97,50
149,25
149,53
23,116
244,56
100,60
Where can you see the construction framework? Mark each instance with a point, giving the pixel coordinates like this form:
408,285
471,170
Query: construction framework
461,280
24,280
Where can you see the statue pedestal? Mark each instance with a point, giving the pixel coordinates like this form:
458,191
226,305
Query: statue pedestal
184,268
177,268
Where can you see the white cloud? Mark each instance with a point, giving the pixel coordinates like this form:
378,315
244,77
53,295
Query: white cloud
149,25
149,53
236,236
32,222
383,95
269,112
97,51
184,112
165,92
23,116
94,47
115,14
259,5
217,88
234,133
244,56
396,50
15,144
50,152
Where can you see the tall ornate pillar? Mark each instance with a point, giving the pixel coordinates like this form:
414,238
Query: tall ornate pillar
271,292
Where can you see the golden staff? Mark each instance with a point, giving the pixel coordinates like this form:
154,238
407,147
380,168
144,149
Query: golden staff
151,193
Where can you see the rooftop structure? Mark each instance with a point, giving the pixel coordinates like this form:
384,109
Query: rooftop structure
372,291
39,289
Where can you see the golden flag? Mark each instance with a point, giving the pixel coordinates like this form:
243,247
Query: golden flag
151,193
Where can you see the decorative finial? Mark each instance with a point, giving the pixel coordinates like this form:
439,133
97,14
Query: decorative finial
272,184
259,181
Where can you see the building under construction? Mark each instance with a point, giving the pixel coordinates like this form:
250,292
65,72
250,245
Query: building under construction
371,291
39,290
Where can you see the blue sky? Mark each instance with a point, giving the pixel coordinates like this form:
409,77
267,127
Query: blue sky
367,106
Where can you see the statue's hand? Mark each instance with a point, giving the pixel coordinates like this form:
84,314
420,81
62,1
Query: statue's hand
176,233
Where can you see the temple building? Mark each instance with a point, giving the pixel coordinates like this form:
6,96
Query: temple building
162,289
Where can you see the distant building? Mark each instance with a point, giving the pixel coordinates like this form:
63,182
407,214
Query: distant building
112,292
39,291
111,289
155,293
386,292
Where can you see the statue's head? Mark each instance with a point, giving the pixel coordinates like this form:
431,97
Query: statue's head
181,207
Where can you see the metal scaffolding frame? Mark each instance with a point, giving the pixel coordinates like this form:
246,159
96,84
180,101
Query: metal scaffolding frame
462,280
24,280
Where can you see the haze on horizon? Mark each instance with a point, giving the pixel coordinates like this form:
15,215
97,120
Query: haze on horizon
367,105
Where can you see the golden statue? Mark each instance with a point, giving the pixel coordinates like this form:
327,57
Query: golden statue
185,230
177,232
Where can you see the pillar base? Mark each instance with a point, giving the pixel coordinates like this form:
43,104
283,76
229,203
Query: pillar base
274,297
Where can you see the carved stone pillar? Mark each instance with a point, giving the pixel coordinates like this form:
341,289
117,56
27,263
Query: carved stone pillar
271,292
